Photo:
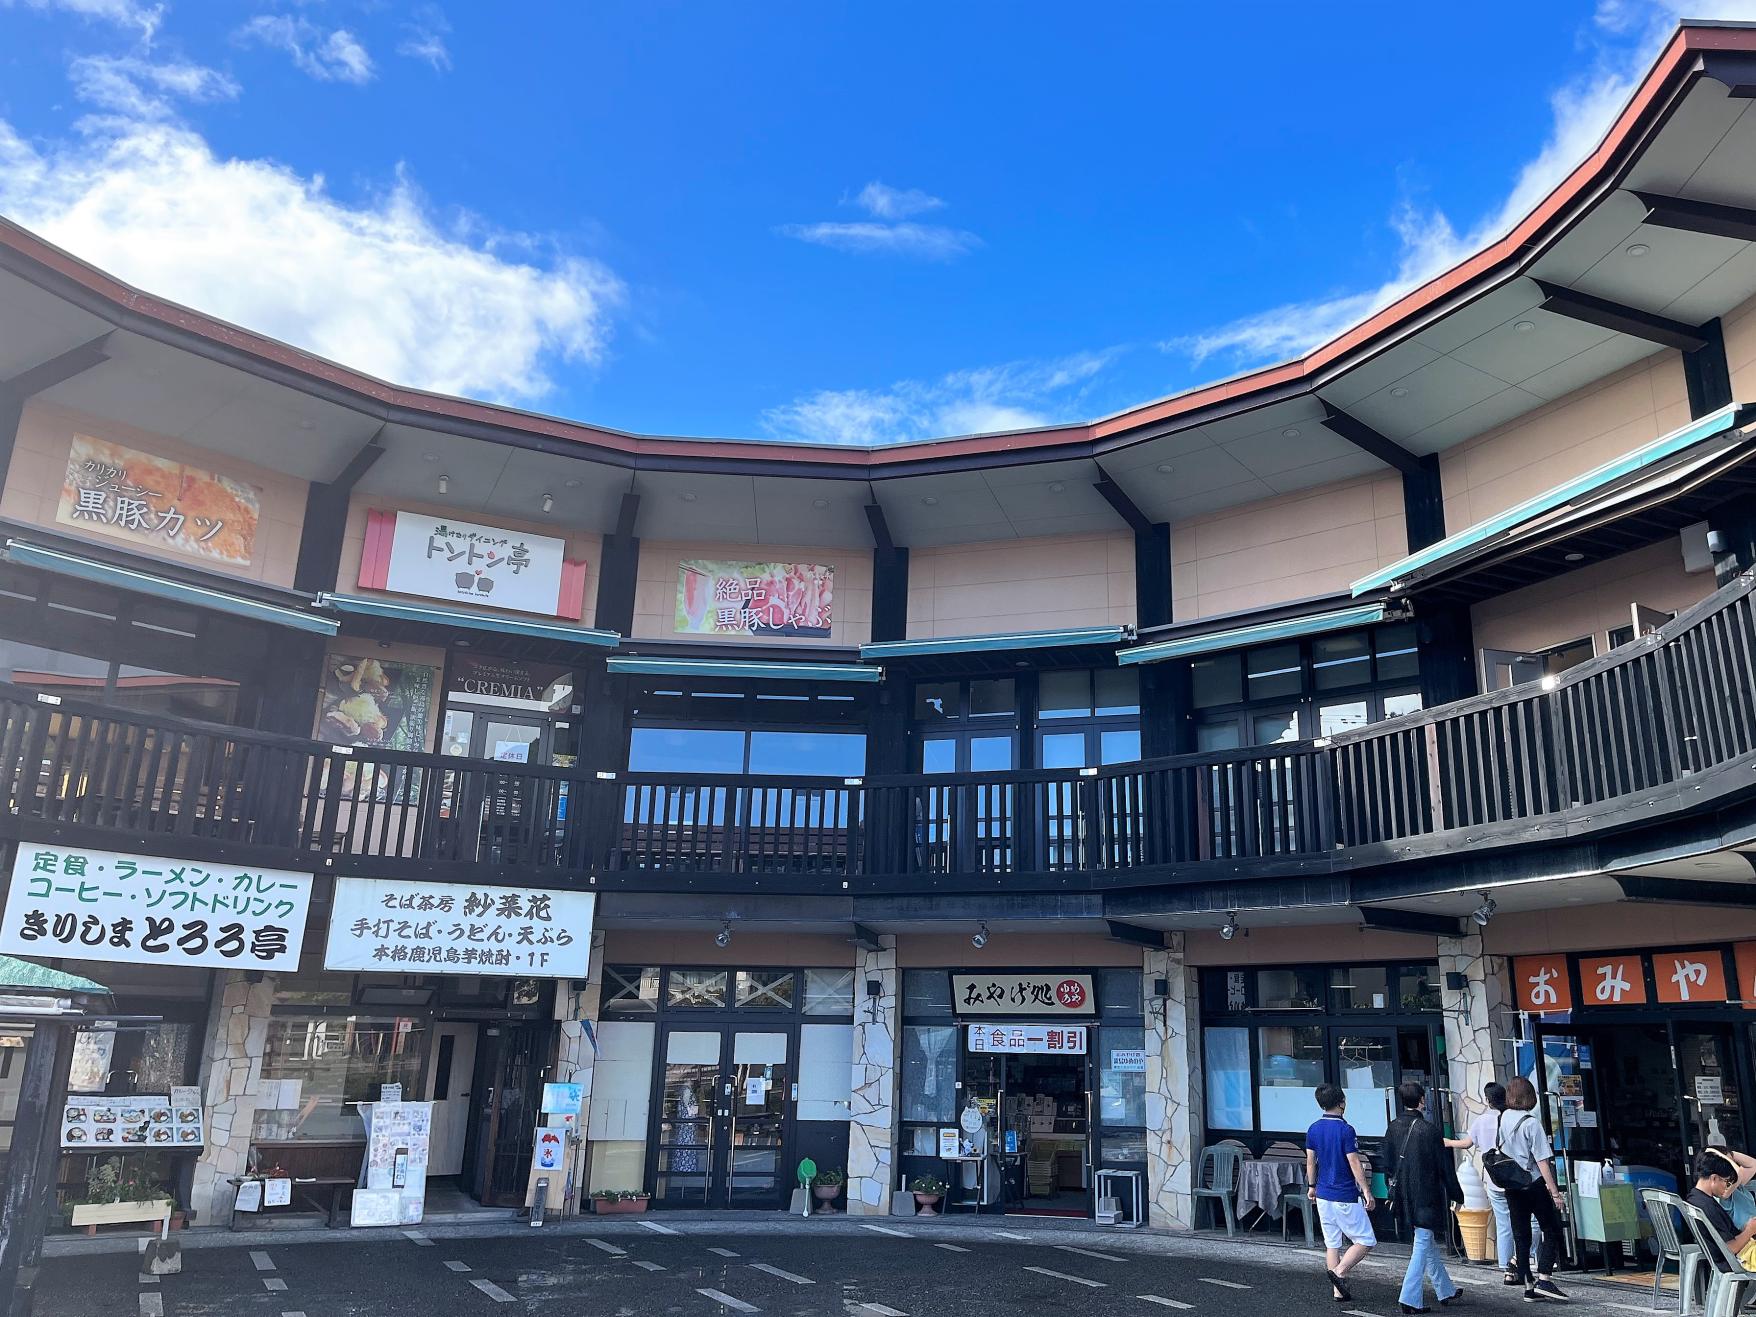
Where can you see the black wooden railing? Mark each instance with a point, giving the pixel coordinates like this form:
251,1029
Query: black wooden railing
1619,736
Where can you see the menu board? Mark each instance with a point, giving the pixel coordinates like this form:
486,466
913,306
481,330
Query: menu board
394,1191
134,1122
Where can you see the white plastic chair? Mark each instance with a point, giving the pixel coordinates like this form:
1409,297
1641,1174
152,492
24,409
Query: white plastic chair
1217,1181
1661,1207
1725,1291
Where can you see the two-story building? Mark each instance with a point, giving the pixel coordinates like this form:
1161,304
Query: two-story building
1387,713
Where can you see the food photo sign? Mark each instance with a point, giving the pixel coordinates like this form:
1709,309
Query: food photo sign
755,599
134,1122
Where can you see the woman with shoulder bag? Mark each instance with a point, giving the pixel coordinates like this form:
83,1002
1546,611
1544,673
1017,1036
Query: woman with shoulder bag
1522,1163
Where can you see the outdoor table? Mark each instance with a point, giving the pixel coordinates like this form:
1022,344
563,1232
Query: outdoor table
1262,1182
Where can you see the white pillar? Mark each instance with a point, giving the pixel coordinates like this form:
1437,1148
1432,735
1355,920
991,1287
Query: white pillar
1478,1018
872,1107
1173,1086
578,1053
231,1073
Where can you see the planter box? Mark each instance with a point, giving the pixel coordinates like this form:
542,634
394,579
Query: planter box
93,1215
618,1206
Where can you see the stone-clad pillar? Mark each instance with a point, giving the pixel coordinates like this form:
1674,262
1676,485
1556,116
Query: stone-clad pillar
231,1073
1174,1120
872,1110
1477,1018
577,1053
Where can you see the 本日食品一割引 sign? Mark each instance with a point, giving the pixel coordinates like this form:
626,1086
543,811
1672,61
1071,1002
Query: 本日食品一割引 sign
754,598
392,926
1022,994
145,910
1031,1039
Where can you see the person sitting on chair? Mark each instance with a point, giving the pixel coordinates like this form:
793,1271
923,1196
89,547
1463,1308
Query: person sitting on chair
1719,1172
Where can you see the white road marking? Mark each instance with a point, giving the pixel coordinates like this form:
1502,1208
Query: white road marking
644,1265
262,1260
723,1252
607,1247
274,1285
736,1305
293,1314
1062,1275
417,1238
656,1228
886,1230
493,1291
881,1311
952,1248
1089,1253
152,1305
457,1266
1227,1284
1361,1312
1163,1302
784,1275
149,1280
1010,1234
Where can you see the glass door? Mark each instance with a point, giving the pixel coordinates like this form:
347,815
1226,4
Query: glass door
759,1102
1363,1062
688,1118
724,1127
1707,1071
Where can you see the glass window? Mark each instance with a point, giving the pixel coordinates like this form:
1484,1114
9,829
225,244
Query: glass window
454,736
1118,691
1417,988
631,989
938,755
829,992
1343,660
1289,989
1119,993
1274,728
936,701
929,1073
696,987
1274,672
1359,988
337,1060
1227,1065
1122,1149
1215,680
1290,1061
990,754
690,750
926,992
52,671
1064,750
1121,1093
1398,655
1334,719
808,754
1064,695
1217,736
1397,705
1119,747
765,990
992,698
151,691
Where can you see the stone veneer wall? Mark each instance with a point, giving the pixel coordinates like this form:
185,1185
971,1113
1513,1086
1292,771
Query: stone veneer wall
1174,1120
577,1052
1478,1020
231,1070
872,1108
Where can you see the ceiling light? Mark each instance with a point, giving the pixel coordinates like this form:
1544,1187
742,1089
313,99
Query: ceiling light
1399,392
444,484
820,503
1575,557
461,644
1485,911
1164,468
429,457
573,482
723,938
548,502
306,425
1229,929
980,939
1291,432
1638,249
929,502
1057,488
688,498
1525,326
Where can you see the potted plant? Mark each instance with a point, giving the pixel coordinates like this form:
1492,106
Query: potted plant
119,1190
826,1188
611,1202
927,1192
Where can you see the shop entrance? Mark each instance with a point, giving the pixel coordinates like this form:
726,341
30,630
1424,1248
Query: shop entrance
1037,1112
506,1092
724,1125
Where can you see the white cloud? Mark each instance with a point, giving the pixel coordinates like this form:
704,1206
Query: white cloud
890,203
139,88
426,40
336,56
932,242
1582,111
1016,396
380,286
143,18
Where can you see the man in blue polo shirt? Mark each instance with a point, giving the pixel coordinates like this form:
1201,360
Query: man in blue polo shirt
1341,1188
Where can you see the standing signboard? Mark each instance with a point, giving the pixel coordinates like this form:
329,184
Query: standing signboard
398,1136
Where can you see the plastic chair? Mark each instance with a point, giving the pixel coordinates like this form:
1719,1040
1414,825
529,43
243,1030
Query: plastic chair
1218,1182
1661,1207
1296,1200
1729,1279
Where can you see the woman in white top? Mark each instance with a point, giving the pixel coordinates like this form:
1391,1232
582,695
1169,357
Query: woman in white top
1519,1134
1481,1135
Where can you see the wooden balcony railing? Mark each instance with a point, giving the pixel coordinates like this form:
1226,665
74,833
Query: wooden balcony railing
1636,732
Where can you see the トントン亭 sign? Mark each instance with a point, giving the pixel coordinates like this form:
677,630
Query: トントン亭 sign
1022,994
1029,1039
460,561
147,910
389,925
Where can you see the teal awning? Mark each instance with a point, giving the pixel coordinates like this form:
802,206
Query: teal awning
1212,642
16,973
27,554
1396,576
456,617
744,669
999,643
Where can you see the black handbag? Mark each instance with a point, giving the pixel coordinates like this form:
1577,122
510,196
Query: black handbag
1390,1181
1501,1169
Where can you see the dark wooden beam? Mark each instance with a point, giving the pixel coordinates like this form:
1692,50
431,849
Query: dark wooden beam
875,518
1706,373
1386,920
326,517
627,515
1423,504
1143,937
58,370
1606,314
1125,507
1708,217
866,940
1363,436
1685,891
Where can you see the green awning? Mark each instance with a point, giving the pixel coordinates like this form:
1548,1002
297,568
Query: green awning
744,669
456,617
1212,642
27,554
1396,576
15,973
998,643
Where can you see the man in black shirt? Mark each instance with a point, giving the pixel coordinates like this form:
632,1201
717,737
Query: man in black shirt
1717,1173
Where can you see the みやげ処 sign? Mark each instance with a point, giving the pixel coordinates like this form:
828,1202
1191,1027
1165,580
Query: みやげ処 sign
1022,994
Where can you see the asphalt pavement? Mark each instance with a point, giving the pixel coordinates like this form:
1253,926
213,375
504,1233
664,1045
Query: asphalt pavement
711,1268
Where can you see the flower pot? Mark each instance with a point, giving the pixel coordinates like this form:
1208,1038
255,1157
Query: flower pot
927,1204
826,1194
618,1206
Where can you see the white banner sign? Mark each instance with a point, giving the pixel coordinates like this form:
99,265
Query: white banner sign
397,927
1022,994
146,910
1035,1039
443,558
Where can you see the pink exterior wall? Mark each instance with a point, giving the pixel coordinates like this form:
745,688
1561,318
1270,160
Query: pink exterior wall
1618,926
1021,585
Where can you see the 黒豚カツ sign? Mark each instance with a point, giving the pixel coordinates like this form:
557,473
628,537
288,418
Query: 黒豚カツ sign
1049,993
392,926
146,910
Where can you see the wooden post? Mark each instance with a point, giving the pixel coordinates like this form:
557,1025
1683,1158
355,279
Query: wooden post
30,1179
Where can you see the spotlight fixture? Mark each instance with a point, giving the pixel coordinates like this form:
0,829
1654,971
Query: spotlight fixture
980,939
1573,557
548,502
1524,326
723,938
1057,488
1485,911
1165,468
929,502
1291,432
1638,249
1399,392
444,484
1229,929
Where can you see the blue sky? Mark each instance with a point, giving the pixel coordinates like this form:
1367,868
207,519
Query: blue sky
851,223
